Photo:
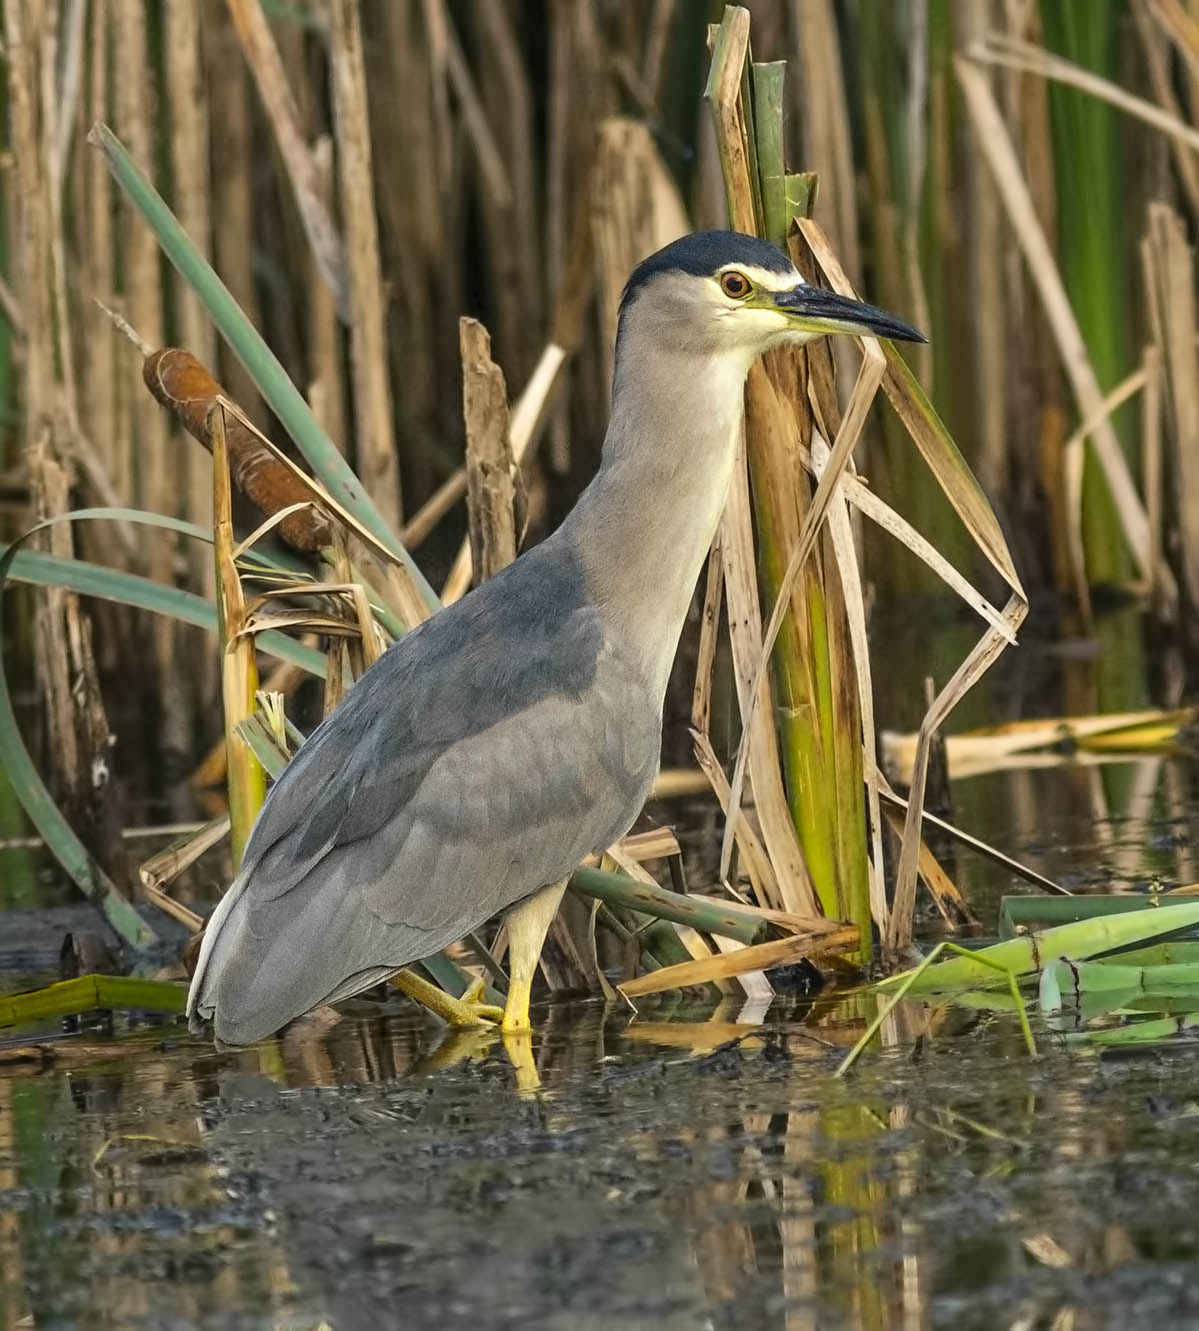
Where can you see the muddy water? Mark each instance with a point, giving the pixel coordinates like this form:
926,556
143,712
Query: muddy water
684,1169
363,1178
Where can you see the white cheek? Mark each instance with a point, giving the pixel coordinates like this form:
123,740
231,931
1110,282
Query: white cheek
793,336
761,327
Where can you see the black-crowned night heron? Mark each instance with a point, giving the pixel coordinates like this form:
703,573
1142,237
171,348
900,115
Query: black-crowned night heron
485,754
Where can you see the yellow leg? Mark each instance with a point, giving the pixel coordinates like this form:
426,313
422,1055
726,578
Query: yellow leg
527,927
461,1012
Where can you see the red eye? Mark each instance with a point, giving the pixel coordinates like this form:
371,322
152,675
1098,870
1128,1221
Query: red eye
735,285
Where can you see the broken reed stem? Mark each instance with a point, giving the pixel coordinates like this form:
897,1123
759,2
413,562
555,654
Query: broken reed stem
163,867
707,914
728,965
490,484
528,415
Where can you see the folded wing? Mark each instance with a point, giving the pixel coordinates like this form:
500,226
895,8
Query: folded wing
382,843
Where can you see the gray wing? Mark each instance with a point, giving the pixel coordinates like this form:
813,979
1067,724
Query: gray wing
526,636
361,865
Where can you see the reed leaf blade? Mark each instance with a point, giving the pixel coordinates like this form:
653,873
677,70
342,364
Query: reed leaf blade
263,366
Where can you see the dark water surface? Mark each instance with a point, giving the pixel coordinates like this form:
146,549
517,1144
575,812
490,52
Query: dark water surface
694,1167
347,1180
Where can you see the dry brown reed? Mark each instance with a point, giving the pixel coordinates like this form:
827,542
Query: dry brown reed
491,489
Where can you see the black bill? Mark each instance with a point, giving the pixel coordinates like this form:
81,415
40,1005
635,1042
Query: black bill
824,311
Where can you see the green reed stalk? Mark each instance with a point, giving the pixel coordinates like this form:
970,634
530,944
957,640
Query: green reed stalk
1093,250
1092,245
902,179
817,718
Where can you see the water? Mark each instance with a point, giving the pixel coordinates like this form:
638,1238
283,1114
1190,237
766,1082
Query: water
685,1168
347,1179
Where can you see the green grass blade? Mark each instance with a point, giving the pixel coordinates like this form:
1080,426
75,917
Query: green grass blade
1079,941
1019,914
251,562
1094,977
87,994
76,575
282,562
1140,1032
139,516
1157,954
107,584
272,380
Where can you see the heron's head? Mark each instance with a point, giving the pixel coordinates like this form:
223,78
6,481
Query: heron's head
721,291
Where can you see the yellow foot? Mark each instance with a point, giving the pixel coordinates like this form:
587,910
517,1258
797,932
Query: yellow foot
461,1013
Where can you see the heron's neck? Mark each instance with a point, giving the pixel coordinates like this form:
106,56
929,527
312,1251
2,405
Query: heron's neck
643,526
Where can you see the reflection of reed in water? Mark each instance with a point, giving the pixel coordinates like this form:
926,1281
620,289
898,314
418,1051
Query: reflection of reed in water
112,1212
